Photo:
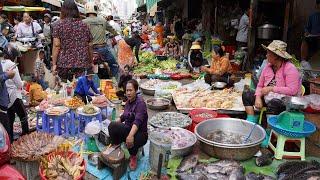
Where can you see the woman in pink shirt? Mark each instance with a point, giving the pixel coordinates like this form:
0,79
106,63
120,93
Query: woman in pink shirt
279,77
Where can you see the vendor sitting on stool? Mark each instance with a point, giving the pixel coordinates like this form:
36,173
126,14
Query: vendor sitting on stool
195,58
279,78
220,69
134,129
84,84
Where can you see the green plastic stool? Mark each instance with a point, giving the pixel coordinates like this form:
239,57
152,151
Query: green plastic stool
279,151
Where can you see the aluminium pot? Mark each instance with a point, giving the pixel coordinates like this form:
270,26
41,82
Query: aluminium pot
269,31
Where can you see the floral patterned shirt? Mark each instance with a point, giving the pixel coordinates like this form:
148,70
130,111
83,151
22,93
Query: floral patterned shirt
75,37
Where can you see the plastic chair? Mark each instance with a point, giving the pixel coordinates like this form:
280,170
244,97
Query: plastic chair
280,153
54,124
44,122
73,123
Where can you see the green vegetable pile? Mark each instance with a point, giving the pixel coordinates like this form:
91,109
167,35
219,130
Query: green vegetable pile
149,63
295,62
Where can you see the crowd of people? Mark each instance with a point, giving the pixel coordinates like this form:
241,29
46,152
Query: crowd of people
75,48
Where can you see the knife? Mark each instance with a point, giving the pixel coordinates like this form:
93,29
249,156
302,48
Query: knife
110,150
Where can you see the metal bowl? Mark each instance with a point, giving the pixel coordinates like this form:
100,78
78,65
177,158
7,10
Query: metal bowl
185,150
158,103
219,85
149,92
230,151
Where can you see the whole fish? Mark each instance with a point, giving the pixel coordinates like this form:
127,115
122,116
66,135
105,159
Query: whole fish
188,163
237,174
254,176
192,176
297,170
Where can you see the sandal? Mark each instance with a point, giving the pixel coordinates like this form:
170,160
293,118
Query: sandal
133,163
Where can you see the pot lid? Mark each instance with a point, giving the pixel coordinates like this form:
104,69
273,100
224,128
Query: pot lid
269,26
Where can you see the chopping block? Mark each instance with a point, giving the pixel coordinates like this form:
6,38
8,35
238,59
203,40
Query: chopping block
115,161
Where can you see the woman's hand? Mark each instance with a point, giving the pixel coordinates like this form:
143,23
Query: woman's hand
203,69
129,141
54,69
258,103
266,90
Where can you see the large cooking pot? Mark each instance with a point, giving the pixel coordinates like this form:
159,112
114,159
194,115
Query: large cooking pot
269,31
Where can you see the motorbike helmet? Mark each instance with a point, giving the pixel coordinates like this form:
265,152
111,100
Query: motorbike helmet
91,8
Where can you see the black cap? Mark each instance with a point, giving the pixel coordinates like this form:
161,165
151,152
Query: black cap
89,72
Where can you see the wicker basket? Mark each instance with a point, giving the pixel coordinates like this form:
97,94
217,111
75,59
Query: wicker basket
315,86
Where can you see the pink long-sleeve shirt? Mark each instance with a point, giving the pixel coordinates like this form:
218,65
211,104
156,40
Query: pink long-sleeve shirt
288,80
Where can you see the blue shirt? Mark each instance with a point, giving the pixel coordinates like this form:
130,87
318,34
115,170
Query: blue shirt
313,24
3,41
84,85
4,100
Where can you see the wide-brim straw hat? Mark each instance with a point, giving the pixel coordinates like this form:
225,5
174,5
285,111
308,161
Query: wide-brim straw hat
195,45
279,48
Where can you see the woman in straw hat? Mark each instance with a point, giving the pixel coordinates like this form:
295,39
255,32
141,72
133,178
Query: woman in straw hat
279,77
195,58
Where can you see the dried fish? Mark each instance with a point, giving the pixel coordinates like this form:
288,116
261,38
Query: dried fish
34,145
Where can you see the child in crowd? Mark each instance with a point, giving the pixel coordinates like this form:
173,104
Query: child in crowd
36,92
124,78
40,69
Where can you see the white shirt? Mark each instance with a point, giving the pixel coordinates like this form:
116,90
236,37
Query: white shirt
14,85
115,26
25,30
242,35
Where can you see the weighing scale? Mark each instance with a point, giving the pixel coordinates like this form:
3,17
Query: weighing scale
293,119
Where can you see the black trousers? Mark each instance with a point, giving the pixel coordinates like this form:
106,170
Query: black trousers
119,132
4,120
19,109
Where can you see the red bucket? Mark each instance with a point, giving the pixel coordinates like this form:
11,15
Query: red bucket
199,115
